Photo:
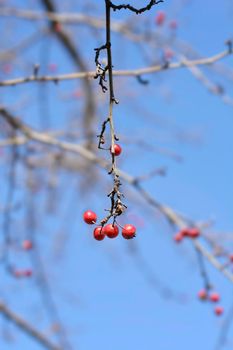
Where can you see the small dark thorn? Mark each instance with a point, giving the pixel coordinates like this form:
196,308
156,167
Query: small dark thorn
141,80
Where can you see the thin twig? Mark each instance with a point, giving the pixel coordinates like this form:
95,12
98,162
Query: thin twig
118,73
27,328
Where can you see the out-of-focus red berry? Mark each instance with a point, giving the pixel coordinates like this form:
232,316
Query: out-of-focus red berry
90,217
191,232
168,54
214,297
178,237
77,93
202,294
218,310
23,273
57,27
7,68
27,244
160,18
173,24
52,67
17,273
27,273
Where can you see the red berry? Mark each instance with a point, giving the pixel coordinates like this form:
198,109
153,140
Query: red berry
202,294
23,273
111,230
98,233
215,297
184,232
218,310
168,54
52,67
128,231
173,24
231,258
57,27
7,68
178,237
89,217
117,150
191,232
77,93
160,18
27,244
17,273
27,273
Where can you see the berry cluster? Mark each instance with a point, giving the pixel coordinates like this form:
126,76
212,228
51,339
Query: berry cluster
172,25
23,273
109,230
213,297
160,19
190,232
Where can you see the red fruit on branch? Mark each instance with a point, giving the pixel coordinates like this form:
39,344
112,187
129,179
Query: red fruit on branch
202,294
52,67
214,297
168,54
17,273
27,244
111,230
90,217
193,232
57,27
128,231
173,24
160,18
23,273
218,310
98,233
27,273
116,150
178,237
7,68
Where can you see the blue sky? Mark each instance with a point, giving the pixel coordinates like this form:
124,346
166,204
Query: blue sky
109,293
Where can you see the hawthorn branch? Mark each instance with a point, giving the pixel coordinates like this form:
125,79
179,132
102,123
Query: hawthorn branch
27,328
119,73
115,195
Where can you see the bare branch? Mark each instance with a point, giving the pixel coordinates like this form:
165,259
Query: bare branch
119,73
134,9
27,328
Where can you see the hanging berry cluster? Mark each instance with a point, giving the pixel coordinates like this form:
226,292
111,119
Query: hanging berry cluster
117,207
189,232
109,230
213,297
